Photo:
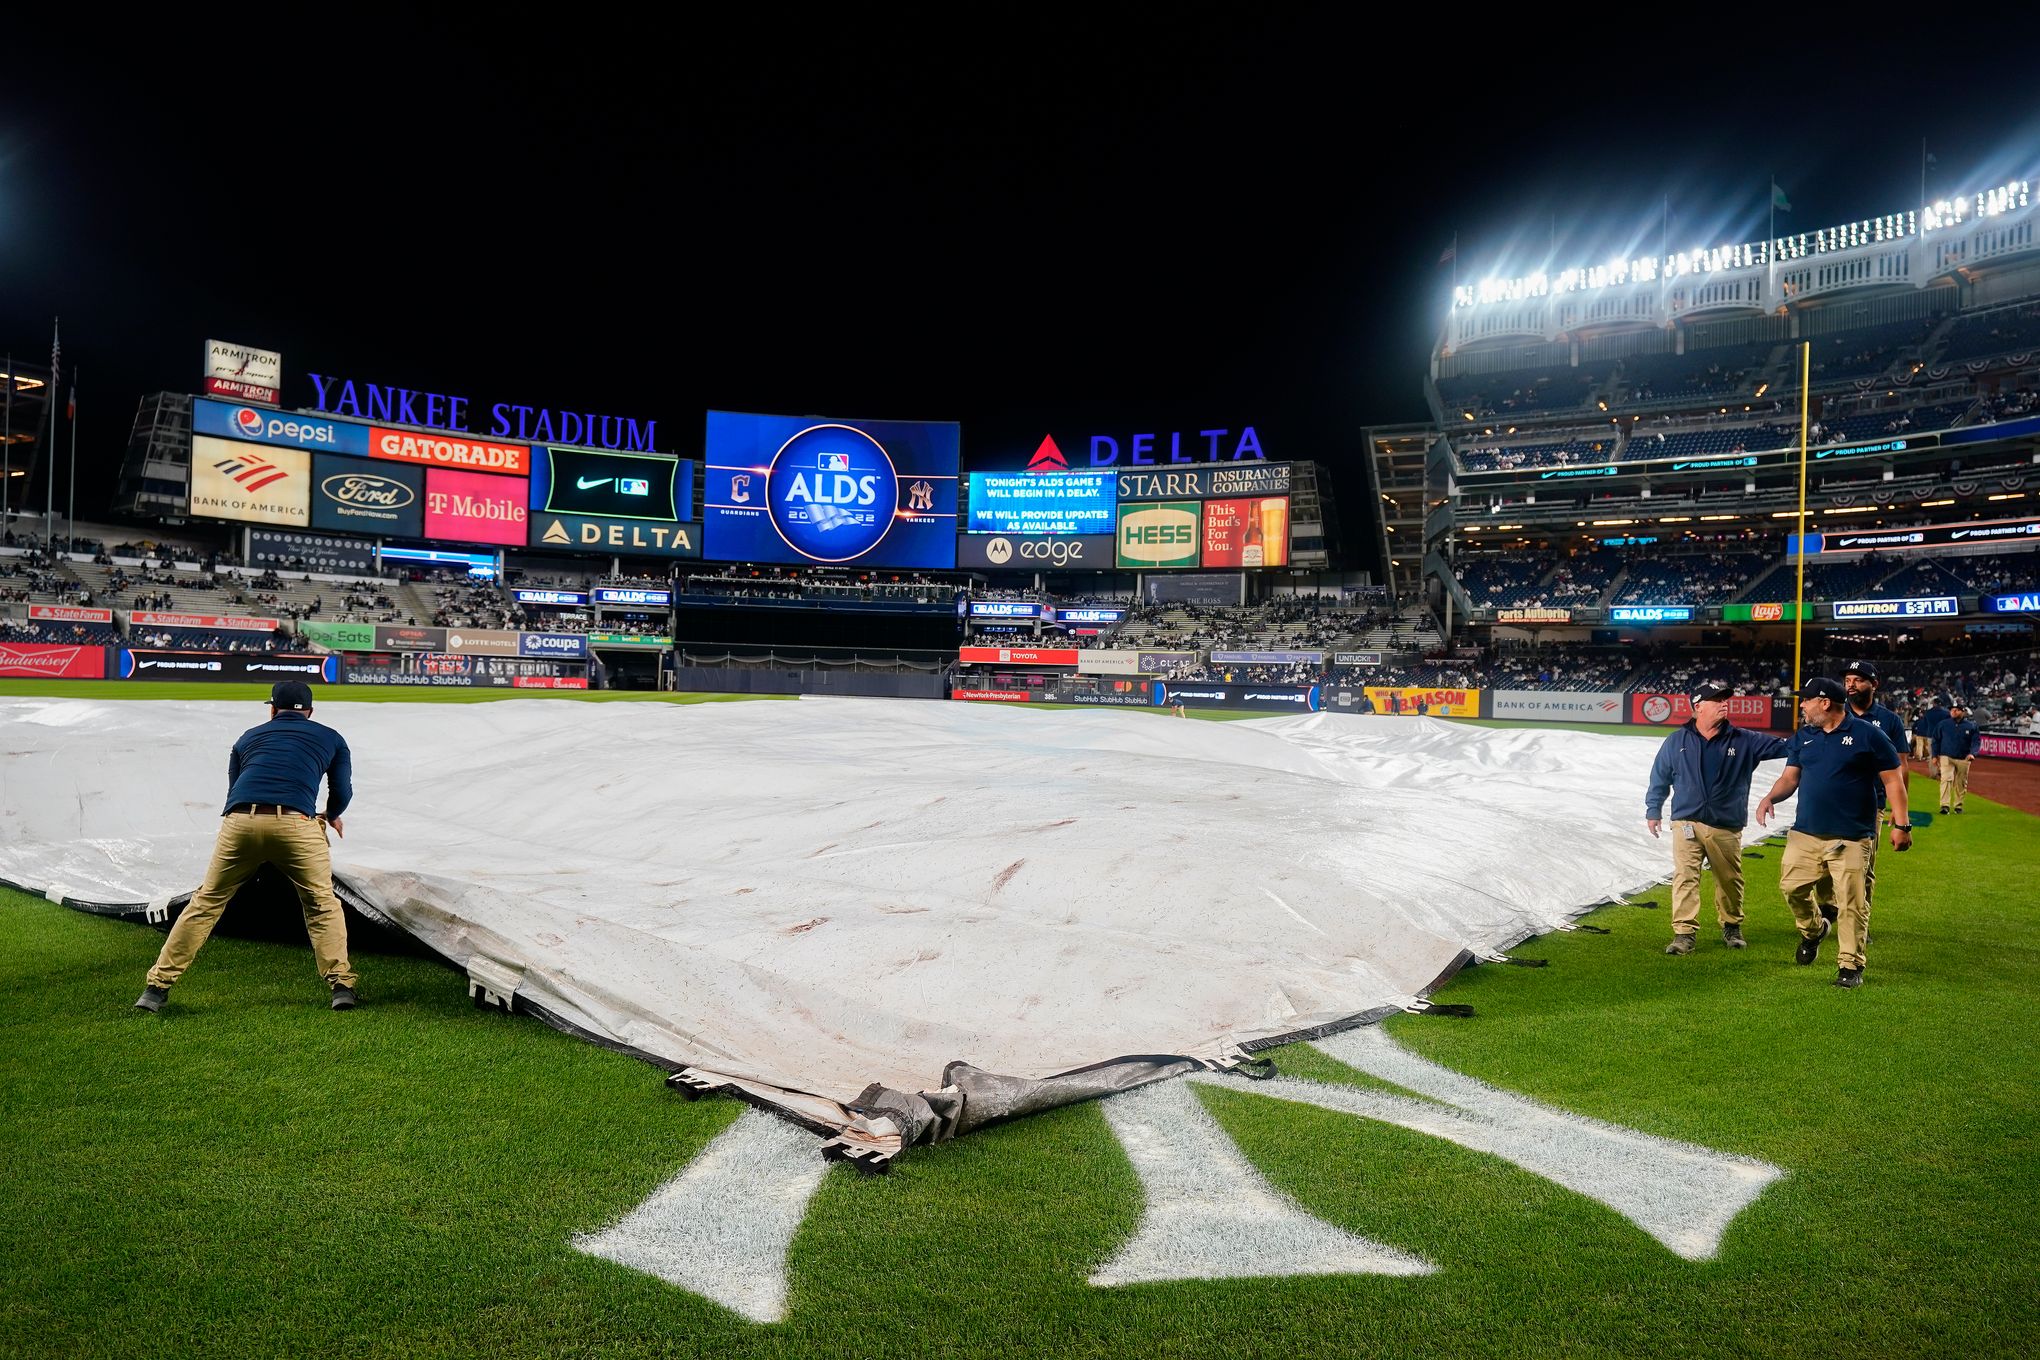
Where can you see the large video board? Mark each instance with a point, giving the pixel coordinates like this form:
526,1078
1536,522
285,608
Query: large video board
611,485
799,489
1042,503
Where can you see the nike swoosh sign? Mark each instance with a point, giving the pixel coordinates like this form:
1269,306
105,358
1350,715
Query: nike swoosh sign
585,484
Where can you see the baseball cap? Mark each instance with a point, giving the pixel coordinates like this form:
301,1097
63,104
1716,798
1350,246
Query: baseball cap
1862,668
1711,689
1820,687
295,694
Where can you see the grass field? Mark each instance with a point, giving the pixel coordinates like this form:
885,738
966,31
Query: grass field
253,1174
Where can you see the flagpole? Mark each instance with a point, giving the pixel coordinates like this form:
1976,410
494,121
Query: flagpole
71,498
1771,252
1799,598
7,446
50,443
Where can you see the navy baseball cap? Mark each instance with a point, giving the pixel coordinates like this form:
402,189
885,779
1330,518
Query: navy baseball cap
1820,687
293,694
1711,689
1862,668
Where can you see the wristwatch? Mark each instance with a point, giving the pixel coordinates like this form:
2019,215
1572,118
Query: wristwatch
1901,826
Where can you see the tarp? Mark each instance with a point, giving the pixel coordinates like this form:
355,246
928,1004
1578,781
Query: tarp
844,902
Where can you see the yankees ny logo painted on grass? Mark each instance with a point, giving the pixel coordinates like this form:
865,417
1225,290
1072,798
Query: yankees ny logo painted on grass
721,1227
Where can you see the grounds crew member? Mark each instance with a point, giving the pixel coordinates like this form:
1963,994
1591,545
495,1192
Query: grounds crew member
1835,764
1860,680
1928,726
1955,743
1707,764
272,788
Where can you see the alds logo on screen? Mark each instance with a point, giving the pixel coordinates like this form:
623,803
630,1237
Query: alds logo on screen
832,491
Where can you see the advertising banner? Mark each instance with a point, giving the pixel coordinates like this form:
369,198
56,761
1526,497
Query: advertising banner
1996,744
1168,663
1247,533
339,637
571,646
1916,607
1744,710
1533,615
1213,588
264,666
576,598
549,682
236,481
1268,658
1033,552
1650,613
1763,613
288,550
242,372
1122,694
1262,698
1204,481
436,679
232,623
69,613
643,597
1544,705
1926,536
796,489
997,696
47,661
1019,656
1434,701
456,452
1103,662
367,498
593,533
1162,534
474,507
1028,503
1004,609
628,640
394,637
482,641
315,434
605,485
1356,658
2012,602
1081,613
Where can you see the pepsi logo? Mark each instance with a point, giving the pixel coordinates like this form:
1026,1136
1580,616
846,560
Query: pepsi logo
248,421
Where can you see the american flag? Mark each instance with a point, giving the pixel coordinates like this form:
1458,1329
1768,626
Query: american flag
56,359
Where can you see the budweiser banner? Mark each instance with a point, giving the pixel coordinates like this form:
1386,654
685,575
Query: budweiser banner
232,623
65,613
43,661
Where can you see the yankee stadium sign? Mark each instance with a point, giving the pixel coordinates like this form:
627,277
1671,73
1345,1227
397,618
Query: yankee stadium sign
506,420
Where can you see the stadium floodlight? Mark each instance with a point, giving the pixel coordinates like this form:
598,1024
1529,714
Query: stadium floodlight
2010,496
1928,505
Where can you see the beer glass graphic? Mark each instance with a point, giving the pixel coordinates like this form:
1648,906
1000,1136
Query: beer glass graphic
1274,516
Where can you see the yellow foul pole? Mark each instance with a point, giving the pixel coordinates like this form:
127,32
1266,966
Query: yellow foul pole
1799,599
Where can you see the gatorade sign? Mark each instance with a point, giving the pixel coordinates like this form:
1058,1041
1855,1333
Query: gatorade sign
1163,534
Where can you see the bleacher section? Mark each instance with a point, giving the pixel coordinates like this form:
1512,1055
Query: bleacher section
1860,354
1878,424
1982,336
1710,579
1520,391
1646,441
1576,448
1708,375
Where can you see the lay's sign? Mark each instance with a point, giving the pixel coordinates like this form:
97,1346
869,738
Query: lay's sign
1160,534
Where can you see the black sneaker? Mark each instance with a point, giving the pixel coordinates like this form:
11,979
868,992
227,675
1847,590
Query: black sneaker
1958,812
1731,935
343,998
1681,944
152,999
1809,947
1848,977
1944,809
1828,913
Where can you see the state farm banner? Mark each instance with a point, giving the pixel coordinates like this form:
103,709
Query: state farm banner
46,661
1433,701
1104,662
267,666
482,641
468,452
69,613
1998,744
232,623
1543,705
1744,710
1019,656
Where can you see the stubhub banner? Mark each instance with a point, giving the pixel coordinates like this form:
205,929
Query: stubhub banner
797,489
261,425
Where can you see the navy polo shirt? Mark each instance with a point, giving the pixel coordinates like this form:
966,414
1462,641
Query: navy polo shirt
1957,739
1839,775
282,762
1885,721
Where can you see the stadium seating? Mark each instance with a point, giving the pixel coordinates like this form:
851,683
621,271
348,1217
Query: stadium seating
1860,354
1697,378
1577,448
1879,424
1503,582
1520,391
1709,579
1986,335
58,633
1716,441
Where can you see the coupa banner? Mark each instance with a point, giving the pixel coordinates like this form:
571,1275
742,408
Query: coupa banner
1557,705
263,666
1435,702
1744,710
42,661
1260,698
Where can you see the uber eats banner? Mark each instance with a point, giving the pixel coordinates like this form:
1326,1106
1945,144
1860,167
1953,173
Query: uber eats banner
339,637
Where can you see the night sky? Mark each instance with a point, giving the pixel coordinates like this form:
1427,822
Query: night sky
1029,221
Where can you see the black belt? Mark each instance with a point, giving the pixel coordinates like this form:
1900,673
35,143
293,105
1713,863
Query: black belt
267,810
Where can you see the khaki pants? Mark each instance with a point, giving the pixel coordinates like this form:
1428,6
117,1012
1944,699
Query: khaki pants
1922,748
1810,862
1691,841
247,841
1954,781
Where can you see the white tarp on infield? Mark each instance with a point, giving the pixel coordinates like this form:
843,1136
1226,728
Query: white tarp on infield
823,894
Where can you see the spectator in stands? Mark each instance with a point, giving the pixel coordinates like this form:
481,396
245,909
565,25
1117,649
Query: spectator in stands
1707,765
273,780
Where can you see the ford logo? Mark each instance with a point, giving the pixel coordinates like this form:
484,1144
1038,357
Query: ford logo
355,488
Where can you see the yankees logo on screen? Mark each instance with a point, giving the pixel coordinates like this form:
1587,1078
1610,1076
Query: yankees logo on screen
832,491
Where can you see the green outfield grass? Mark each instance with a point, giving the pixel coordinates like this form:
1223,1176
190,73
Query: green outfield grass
252,1174
343,694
